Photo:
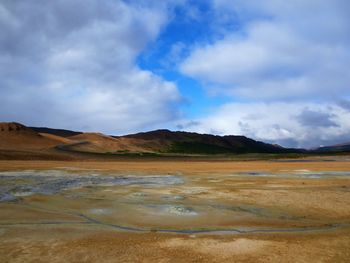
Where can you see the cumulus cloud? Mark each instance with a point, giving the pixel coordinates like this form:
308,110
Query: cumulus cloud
316,119
345,104
71,64
188,125
288,124
283,50
287,62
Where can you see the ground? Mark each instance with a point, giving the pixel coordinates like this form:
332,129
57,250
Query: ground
176,211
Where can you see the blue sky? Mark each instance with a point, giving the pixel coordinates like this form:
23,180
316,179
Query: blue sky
272,70
172,45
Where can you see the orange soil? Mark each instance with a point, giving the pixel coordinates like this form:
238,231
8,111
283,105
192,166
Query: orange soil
183,166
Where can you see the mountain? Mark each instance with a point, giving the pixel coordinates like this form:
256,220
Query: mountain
338,148
39,141
194,143
15,136
100,143
20,142
58,132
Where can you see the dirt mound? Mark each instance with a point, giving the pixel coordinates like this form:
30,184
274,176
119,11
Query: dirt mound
92,136
12,127
59,139
101,143
15,136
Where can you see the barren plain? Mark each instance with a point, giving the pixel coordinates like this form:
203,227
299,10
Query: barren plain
175,211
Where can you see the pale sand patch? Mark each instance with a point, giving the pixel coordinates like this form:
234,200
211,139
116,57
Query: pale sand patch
216,247
195,190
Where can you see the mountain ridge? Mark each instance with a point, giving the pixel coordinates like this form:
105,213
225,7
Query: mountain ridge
16,137
232,143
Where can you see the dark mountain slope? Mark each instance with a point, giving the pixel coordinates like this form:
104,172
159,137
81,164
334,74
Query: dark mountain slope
57,132
189,142
339,148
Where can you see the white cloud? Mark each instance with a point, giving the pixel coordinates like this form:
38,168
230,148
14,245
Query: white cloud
288,62
289,124
283,50
72,64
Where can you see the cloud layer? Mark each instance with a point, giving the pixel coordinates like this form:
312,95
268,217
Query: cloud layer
283,50
289,124
288,63
72,64
278,69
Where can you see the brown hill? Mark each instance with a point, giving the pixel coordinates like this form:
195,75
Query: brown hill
100,143
12,127
58,139
15,136
91,136
57,132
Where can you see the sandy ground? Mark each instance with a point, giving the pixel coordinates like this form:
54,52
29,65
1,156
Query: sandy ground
288,213
80,245
157,165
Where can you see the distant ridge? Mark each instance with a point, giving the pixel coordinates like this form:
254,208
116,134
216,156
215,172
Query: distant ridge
344,147
12,127
190,142
42,141
58,132
16,136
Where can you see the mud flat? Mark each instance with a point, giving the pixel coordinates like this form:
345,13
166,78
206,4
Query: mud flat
175,211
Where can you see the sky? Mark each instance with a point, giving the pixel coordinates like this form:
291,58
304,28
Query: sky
274,70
